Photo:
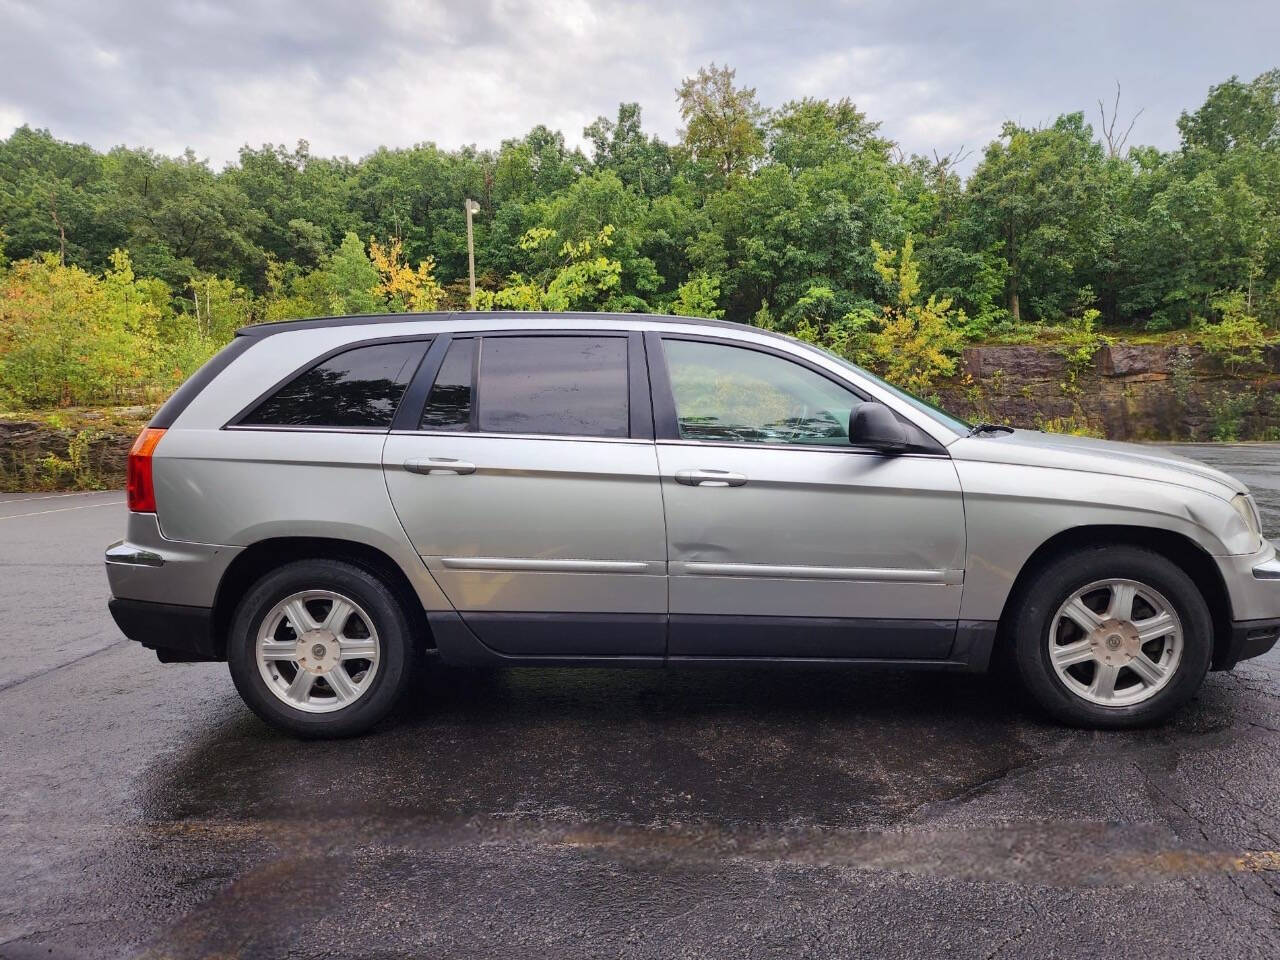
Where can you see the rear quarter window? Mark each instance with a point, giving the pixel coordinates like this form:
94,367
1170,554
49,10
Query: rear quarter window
360,387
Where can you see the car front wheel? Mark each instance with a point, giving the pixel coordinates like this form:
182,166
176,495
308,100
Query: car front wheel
1112,637
320,648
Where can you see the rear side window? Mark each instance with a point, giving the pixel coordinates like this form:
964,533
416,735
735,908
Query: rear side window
557,385
360,387
450,401
573,386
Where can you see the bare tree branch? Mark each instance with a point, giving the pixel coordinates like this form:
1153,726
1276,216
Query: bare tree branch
62,231
1115,145
946,162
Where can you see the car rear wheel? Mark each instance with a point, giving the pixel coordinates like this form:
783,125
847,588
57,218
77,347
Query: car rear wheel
1112,637
320,648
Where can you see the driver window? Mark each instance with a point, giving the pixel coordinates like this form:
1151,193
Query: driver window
739,395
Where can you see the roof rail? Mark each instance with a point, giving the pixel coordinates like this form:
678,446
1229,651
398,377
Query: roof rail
313,323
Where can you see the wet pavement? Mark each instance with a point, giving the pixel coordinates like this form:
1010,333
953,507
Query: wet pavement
144,811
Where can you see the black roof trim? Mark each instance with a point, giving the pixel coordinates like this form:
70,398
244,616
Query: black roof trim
284,326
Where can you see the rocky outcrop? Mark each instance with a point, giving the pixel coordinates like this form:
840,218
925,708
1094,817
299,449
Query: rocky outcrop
1125,392
37,456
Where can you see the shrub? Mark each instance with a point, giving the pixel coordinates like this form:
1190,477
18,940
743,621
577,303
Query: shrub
70,337
1226,414
1079,344
1076,426
917,341
1236,340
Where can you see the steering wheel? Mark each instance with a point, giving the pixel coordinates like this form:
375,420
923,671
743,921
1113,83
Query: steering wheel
800,421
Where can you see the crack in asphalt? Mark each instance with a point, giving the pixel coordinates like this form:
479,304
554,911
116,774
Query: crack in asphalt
44,672
930,807
1017,937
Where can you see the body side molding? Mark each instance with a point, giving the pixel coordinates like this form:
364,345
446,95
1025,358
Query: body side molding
790,572
530,564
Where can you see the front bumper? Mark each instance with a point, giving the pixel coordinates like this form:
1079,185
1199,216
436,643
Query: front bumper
1248,639
1253,585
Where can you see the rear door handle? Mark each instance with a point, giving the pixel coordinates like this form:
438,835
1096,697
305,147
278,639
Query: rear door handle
710,478
429,465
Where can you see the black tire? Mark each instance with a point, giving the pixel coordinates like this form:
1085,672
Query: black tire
397,650
1051,587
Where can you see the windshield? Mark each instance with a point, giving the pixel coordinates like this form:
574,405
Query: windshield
932,410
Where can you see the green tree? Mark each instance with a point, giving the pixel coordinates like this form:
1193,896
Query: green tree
1236,114
349,280
723,124
586,278
917,338
1237,338
71,337
808,133
697,297
53,199
304,200
180,217
644,164
1038,195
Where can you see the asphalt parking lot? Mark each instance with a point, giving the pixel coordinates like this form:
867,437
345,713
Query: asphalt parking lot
541,813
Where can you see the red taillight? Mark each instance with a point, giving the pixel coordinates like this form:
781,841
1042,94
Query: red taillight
142,492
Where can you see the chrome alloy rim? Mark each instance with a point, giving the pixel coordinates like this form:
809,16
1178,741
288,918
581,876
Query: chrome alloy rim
1116,642
317,651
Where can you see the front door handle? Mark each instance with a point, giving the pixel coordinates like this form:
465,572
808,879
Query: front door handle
710,478
429,465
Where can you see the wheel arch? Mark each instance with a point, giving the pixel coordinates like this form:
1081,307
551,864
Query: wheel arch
1181,550
264,556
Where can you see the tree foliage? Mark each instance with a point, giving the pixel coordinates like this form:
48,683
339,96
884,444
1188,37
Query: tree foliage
917,338
805,218
724,124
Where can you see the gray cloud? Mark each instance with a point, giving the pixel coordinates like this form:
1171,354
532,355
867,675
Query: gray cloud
349,77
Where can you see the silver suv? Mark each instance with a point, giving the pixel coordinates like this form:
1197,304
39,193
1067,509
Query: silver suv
329,502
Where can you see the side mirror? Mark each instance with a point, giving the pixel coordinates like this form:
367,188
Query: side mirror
874,425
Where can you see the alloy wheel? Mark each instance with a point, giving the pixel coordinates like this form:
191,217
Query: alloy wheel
317,651
1116,642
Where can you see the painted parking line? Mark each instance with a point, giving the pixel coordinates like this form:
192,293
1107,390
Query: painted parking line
53,496
87,506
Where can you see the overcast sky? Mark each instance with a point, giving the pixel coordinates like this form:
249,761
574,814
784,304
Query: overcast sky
348,75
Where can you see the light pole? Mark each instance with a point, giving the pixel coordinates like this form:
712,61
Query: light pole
471,207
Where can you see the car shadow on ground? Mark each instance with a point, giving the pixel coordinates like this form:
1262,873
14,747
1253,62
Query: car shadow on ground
634,746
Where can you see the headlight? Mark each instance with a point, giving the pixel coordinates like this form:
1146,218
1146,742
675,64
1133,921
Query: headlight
1244,506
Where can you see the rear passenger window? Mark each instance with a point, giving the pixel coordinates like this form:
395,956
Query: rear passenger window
573,386
449,404
357,388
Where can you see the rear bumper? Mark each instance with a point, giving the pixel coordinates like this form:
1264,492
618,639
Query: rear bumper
162,591
177,633
146,566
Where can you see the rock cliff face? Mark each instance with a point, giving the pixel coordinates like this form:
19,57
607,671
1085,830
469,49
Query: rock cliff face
36,456
1127,392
